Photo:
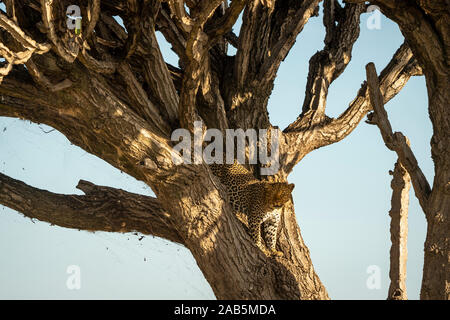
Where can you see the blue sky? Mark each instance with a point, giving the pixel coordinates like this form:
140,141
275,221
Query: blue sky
342,197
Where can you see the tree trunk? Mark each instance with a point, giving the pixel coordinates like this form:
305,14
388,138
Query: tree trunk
232,264
436,271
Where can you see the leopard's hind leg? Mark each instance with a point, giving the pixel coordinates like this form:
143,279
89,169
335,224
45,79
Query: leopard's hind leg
254,225
270,229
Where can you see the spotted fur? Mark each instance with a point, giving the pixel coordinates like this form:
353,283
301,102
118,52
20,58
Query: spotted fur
259,201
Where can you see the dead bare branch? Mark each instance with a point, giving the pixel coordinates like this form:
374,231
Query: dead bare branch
396,142
400,185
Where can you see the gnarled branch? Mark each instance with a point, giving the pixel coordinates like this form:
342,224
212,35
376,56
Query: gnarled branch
28,43
392,79
342,31
197,48
100,209
156,72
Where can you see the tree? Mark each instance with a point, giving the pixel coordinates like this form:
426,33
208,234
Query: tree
110,92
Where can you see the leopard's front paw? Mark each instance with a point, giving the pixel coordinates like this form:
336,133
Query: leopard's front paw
268,253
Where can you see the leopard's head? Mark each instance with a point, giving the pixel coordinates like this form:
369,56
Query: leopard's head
277,194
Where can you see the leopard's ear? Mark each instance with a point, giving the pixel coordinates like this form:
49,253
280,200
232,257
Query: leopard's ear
291,186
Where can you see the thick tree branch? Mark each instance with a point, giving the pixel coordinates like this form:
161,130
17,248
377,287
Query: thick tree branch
392,79
27,42
156,72
145,108
114,28
100,209
135,13
94,118
100,66
183,20
11,9
396,142
289,22
232,39
205,10
198,63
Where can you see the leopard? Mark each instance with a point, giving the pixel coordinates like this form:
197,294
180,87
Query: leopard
260,202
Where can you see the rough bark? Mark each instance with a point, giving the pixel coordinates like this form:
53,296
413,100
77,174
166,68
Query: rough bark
110,92
436,273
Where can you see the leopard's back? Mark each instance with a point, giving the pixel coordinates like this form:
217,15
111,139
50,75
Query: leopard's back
240,183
